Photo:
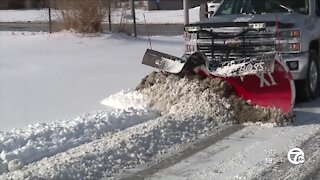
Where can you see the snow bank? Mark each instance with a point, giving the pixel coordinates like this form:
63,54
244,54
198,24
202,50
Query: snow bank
122,150
44,140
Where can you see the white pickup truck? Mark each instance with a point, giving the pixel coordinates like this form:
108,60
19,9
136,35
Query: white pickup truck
286,26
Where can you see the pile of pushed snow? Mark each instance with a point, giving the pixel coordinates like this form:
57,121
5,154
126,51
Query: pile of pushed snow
178,96
191,96
188,96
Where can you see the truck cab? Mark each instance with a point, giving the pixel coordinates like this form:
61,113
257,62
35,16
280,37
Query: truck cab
249,28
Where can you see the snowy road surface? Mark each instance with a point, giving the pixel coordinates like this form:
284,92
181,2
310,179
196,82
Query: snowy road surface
244,154
63,75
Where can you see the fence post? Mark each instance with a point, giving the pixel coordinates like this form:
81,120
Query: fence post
109,14
50,21
133,12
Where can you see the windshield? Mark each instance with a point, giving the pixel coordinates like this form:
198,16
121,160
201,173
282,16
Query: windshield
260,7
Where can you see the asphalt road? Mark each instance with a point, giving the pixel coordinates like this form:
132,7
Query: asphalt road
142,29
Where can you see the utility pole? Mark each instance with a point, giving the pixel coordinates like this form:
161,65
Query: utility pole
186,11
133,12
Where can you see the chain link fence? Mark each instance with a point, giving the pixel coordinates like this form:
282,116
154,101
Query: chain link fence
90,16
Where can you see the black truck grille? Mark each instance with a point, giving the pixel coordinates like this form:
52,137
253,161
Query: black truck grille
223,45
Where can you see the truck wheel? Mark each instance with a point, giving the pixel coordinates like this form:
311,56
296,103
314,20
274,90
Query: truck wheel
308,88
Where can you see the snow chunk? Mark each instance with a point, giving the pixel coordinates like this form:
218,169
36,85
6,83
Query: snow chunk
127,99
15,165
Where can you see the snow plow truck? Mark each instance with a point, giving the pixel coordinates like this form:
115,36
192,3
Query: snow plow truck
268,50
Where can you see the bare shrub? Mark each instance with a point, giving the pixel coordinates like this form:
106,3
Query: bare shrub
123,24
85,16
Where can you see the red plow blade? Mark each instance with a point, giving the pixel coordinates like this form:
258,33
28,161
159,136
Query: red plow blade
274,89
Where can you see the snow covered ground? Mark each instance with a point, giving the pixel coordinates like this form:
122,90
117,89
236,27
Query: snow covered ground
48,77
155,17
45,77
97,144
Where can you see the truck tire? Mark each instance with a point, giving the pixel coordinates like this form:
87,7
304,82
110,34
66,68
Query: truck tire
308,89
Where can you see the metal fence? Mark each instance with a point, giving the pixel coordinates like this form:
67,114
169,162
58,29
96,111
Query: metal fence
119,19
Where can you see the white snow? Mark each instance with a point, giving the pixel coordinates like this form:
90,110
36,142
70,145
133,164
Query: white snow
47,77
126,100
24,15
111,153
153,17
59,76
188,98
175,96
232,70
243,155
41,140
159,16
247,153
103,143
125,137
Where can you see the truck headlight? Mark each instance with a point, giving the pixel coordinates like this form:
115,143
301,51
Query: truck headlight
294,47
287,34
289,47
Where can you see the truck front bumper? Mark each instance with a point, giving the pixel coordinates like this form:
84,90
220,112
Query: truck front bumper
302,59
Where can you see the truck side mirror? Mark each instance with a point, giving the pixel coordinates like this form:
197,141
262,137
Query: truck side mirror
203,13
